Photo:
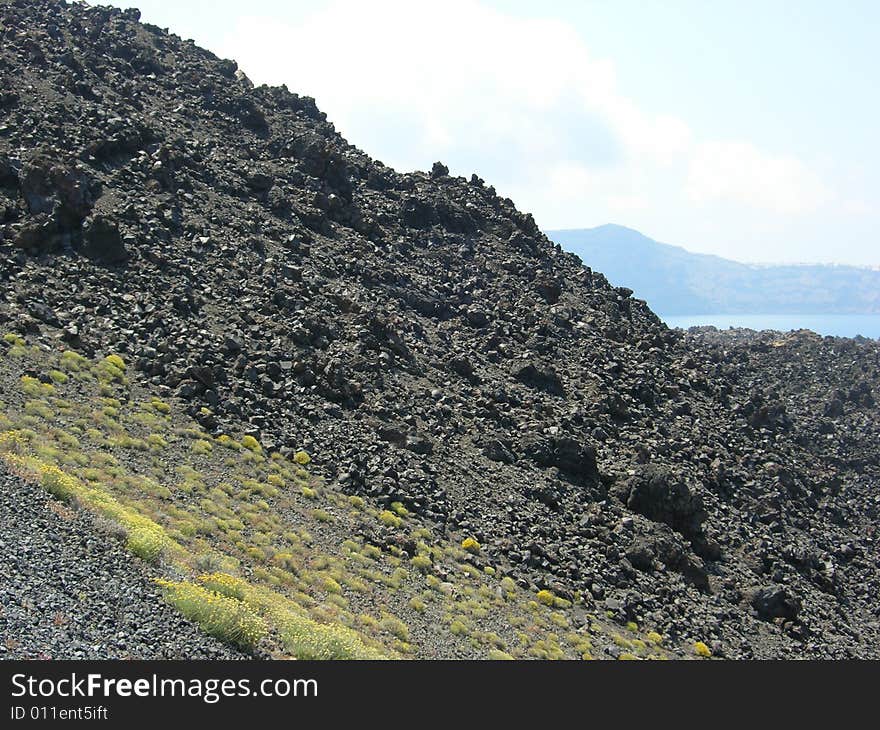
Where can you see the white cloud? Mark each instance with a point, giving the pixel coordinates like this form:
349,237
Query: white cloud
521,101
858,207
739,172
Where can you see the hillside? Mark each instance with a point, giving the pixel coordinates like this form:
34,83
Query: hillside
342,411
677,282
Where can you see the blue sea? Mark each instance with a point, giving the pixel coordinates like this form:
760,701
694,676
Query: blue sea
839,325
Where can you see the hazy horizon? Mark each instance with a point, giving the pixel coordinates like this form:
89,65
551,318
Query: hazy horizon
744,130
758,264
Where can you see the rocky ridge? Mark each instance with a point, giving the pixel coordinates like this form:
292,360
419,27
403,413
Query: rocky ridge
428,345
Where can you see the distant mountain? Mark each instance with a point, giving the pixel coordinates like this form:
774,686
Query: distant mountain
676,282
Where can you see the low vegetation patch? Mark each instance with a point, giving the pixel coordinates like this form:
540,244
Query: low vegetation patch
228,619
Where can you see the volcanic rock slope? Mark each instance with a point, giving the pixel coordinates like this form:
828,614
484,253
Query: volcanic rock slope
69,592
427,344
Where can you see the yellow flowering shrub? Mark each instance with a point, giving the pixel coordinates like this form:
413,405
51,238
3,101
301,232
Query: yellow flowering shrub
224,584
302,458
225,618
115,361
471,545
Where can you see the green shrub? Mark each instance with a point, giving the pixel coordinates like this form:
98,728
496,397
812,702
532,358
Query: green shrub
498,655
387,517
422,563
34,388
201,446
156,441
72,361
371,551
58,377
207,562
39,408
307,639
394,626
459,628
250,443
470,570
399,509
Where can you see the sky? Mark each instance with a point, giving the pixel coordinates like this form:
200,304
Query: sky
742,128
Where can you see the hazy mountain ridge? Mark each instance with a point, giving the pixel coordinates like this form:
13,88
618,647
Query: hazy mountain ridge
677,282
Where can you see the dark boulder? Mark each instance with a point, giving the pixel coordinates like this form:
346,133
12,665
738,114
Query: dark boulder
39,234
62,191
417,213
641,554
574,459
660,495
775,601
102,241
540,378
8,173
659,546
